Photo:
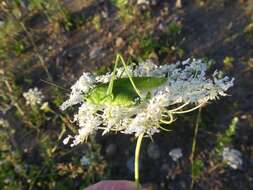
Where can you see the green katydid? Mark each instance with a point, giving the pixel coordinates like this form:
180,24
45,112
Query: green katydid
123,91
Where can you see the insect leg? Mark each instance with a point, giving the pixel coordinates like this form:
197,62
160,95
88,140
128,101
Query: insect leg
130,78
128,61
110,87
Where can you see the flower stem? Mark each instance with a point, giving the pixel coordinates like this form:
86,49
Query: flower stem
190,110
136,161
194,143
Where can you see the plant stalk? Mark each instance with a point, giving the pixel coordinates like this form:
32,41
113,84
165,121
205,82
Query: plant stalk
41,60
194,143
136,161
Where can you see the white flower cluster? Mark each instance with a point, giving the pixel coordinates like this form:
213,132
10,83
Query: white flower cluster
33,96
176,154
232,157
141,2
85,161
4,123
186,85
1,23
82,86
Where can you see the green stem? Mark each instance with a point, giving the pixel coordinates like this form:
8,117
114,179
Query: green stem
180,107
194,142
136,161
190,110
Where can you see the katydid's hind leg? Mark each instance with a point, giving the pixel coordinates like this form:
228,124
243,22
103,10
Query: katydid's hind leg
128,61
130,78
110,87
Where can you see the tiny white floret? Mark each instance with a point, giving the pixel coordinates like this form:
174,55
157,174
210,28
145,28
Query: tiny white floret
85,161
4,123
176,154
140,2
232,157
66,140
33,96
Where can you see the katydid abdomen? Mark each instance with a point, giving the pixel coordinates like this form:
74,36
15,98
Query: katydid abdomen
123,93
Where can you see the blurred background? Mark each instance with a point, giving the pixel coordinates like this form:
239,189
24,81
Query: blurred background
45,45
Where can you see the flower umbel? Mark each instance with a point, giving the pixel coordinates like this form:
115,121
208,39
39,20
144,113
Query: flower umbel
154,95
33,96
176,154
232,157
